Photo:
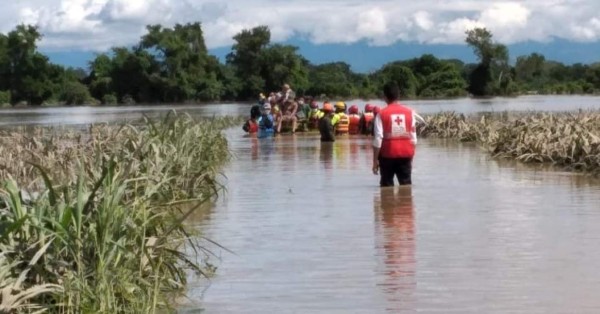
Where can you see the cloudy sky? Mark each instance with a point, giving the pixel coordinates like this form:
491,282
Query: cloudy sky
95,25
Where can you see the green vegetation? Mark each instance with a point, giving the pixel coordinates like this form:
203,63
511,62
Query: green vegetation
570,140
172,65
94,223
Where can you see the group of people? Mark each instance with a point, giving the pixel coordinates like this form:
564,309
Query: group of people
269,116
393,128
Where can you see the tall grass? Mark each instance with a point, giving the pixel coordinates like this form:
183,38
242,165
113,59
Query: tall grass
570,140
95,223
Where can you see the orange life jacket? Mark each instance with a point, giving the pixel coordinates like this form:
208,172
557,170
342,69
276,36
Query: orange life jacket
343,124
354,124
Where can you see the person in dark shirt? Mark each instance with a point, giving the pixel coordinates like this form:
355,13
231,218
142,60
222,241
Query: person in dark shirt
325,125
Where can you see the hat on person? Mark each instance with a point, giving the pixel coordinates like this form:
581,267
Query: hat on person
327,107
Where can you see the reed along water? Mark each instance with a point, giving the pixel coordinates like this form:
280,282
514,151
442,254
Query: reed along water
313,233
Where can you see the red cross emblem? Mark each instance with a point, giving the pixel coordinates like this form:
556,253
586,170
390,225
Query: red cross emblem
398,121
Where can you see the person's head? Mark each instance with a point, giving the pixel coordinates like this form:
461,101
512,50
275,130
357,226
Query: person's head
314,105
376,110
267,108
286,87
255,112
369,108
353,109
327,108
300,100
340,107
391,92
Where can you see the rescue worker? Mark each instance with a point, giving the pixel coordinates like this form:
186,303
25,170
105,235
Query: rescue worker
354,120
314,116
340,120
366,121
265,122
326,127
395,139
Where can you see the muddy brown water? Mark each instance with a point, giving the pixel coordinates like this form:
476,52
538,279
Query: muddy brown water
313,233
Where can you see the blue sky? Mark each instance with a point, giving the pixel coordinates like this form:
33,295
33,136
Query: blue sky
365,34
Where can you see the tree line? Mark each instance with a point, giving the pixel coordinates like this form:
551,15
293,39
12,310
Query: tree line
173,65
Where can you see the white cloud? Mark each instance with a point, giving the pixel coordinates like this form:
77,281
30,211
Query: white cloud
423,20
99,24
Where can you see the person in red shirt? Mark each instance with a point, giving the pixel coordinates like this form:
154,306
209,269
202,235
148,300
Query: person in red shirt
395,139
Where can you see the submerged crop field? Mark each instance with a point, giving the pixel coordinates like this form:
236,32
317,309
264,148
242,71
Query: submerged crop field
93,222
568,139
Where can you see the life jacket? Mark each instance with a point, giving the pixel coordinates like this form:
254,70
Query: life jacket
313,118
354,123
343,124
398,132
251,126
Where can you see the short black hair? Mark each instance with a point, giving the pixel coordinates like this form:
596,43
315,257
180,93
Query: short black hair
391,91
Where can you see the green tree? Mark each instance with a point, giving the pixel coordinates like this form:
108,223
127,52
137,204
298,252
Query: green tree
281,64
182,57
529,70
245,57
402,75
332,80
492,74
100,80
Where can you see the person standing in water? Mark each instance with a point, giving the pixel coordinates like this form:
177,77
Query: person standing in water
265,122
325,125
395,139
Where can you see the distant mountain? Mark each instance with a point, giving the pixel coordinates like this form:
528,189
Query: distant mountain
365,58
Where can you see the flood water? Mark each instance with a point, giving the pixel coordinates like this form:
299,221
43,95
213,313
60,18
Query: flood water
313,233
102,114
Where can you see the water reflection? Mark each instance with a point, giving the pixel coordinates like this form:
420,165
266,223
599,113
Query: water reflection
326,155
395,246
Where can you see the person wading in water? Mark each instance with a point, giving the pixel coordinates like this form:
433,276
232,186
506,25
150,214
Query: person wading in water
395,139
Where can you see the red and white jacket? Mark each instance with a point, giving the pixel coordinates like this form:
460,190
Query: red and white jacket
396,132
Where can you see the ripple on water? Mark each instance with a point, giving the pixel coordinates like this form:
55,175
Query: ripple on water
313,233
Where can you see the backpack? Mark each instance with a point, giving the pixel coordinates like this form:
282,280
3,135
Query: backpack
266,122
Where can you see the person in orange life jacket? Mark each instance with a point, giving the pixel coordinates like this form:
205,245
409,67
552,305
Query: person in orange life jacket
354,120
365,125
340,120
325,124
394,140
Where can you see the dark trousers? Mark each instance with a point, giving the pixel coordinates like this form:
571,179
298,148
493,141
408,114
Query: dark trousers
399,167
